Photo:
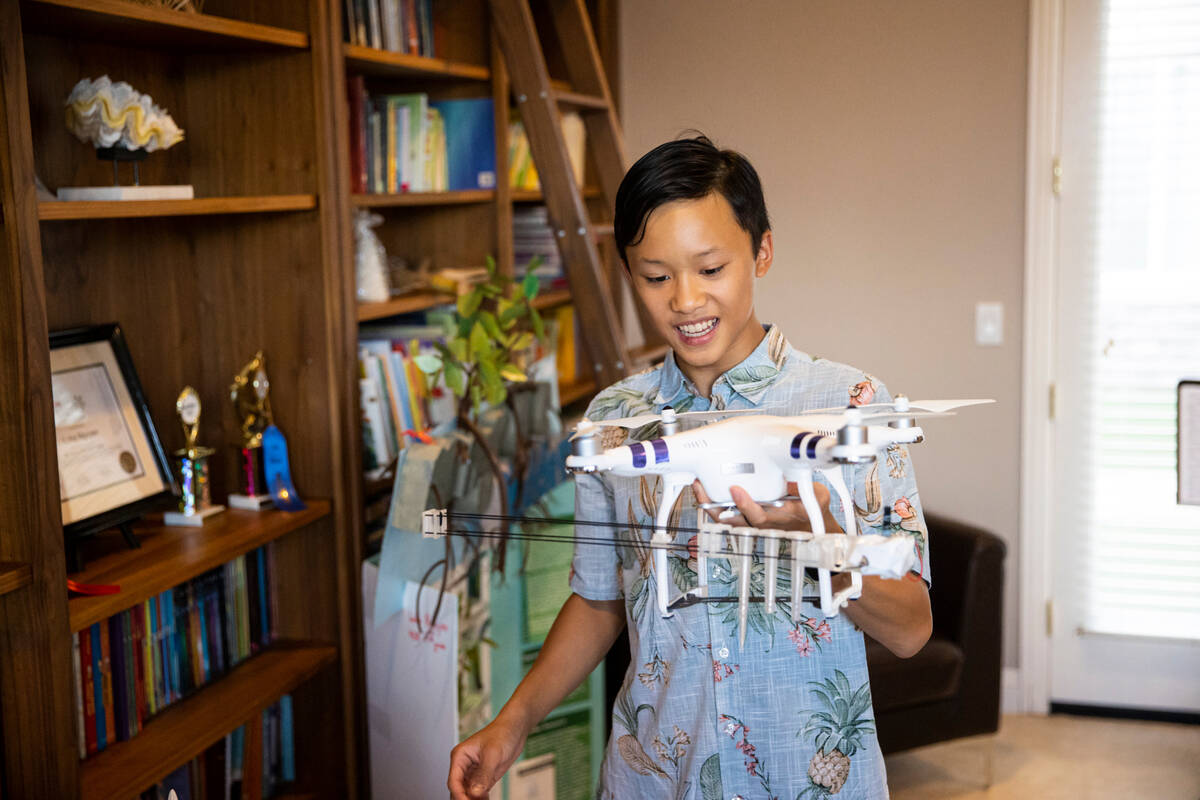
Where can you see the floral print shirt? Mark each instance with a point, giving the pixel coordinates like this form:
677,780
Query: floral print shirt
789,715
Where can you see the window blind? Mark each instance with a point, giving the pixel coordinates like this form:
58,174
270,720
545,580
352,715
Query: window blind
1139,558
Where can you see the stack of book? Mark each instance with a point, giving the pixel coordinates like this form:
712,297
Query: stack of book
135,664
408,143
401,26
218,772
534,238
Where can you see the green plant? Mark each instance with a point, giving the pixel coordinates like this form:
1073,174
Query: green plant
496,325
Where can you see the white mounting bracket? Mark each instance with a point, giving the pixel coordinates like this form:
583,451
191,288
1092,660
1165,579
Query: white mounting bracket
434,523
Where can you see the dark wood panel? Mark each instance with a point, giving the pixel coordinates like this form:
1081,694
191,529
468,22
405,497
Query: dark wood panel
37,716
141,25
454,236
187,728
14,575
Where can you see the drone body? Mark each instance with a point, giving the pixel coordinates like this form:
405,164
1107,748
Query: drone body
762,454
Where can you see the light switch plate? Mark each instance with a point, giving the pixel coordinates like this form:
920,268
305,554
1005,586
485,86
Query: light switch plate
989,324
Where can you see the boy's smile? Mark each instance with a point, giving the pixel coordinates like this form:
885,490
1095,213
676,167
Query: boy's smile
694,269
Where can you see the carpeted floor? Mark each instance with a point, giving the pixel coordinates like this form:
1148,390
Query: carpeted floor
1047,758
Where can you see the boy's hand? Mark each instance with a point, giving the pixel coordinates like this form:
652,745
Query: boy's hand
791,516
480,761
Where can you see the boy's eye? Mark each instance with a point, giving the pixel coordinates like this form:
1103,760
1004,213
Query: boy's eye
654,278
712,270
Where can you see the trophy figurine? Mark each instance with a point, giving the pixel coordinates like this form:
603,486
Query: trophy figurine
249,394
195,500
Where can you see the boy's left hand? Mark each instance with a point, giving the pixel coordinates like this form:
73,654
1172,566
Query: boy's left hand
791,516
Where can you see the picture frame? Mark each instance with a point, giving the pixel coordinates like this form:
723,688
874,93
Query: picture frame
111,464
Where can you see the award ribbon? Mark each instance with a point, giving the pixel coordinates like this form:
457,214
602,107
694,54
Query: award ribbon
278,472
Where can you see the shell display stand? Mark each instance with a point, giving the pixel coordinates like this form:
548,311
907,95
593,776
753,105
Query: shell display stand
119,192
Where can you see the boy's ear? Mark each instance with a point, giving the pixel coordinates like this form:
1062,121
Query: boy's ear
765,255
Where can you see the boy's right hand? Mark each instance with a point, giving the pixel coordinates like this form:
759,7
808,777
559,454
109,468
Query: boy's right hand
479,762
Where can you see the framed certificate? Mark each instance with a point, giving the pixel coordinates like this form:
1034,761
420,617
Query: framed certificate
111,464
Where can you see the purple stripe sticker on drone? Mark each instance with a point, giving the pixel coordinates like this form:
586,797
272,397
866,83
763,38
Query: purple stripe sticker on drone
639,454
796,441
660,450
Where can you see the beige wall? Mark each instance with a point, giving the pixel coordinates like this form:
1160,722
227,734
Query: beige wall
890,137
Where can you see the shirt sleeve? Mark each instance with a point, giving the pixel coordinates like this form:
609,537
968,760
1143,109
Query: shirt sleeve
886,500
595,573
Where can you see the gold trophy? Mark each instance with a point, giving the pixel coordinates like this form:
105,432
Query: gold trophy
195,500
249,394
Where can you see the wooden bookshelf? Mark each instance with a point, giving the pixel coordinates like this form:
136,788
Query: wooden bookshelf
13,576
121,21
552,299
169,556
415,301
187,728
51,210
463,197
371,61
535,195
572,391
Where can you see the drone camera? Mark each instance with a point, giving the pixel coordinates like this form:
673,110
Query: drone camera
586,445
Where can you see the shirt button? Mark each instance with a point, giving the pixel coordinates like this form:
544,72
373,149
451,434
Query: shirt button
723,652
737,797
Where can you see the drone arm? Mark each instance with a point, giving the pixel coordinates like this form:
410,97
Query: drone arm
673,484
834,476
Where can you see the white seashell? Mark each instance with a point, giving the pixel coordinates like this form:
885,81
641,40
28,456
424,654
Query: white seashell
108,114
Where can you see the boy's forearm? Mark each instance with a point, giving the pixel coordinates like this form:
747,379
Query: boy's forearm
581,635
894,613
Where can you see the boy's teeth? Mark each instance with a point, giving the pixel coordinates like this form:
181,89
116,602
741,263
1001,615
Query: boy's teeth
697,328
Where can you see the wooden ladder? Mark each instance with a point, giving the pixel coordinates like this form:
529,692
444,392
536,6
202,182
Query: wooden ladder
595,276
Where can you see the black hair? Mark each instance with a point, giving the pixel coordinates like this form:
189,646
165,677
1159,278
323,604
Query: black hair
688,169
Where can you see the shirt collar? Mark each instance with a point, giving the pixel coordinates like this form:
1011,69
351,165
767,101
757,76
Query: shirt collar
750,379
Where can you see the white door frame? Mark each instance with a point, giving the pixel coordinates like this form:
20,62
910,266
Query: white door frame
1043,137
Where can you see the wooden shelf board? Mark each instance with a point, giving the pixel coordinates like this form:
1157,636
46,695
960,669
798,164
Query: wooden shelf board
425,299
189,727
552,299
121,21
464,197
569,393
535,195
14,575
171,555
127,209
415,301
582,102
372,61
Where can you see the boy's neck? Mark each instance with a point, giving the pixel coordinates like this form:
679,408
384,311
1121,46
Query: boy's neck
703,377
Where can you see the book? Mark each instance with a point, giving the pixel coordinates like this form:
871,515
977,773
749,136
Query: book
470,151
89,690
77,674
110,710
356,95
97,634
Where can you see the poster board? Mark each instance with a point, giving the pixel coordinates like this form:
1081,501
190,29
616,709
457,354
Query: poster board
1188,443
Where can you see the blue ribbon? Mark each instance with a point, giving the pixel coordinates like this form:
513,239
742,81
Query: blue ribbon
278,472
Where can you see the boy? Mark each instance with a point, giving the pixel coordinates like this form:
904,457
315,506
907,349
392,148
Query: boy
789,715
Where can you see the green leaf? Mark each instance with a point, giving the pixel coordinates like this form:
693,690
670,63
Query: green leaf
489,290
491,326
539,330
480,346
529,286
523,341
455,379
458,347
468,303
428,363
476,396
534,263
491,265
511,372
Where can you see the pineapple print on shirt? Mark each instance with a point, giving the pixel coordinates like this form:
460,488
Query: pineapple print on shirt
837,729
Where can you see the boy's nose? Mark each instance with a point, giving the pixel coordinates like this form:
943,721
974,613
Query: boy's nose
688,296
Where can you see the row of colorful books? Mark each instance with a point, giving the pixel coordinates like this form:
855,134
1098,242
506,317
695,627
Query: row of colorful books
135,664
409,143
397,400
401,26
219,772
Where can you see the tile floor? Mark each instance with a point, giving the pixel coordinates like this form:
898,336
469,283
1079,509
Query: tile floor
1047,758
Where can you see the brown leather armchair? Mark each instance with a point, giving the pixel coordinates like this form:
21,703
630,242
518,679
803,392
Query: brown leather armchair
951,688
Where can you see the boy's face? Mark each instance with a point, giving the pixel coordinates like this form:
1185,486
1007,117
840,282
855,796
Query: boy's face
694,269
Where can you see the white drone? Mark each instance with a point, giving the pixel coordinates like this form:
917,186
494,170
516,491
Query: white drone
762,454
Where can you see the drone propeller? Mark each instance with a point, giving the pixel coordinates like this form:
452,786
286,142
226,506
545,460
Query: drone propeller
901,403
588,427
